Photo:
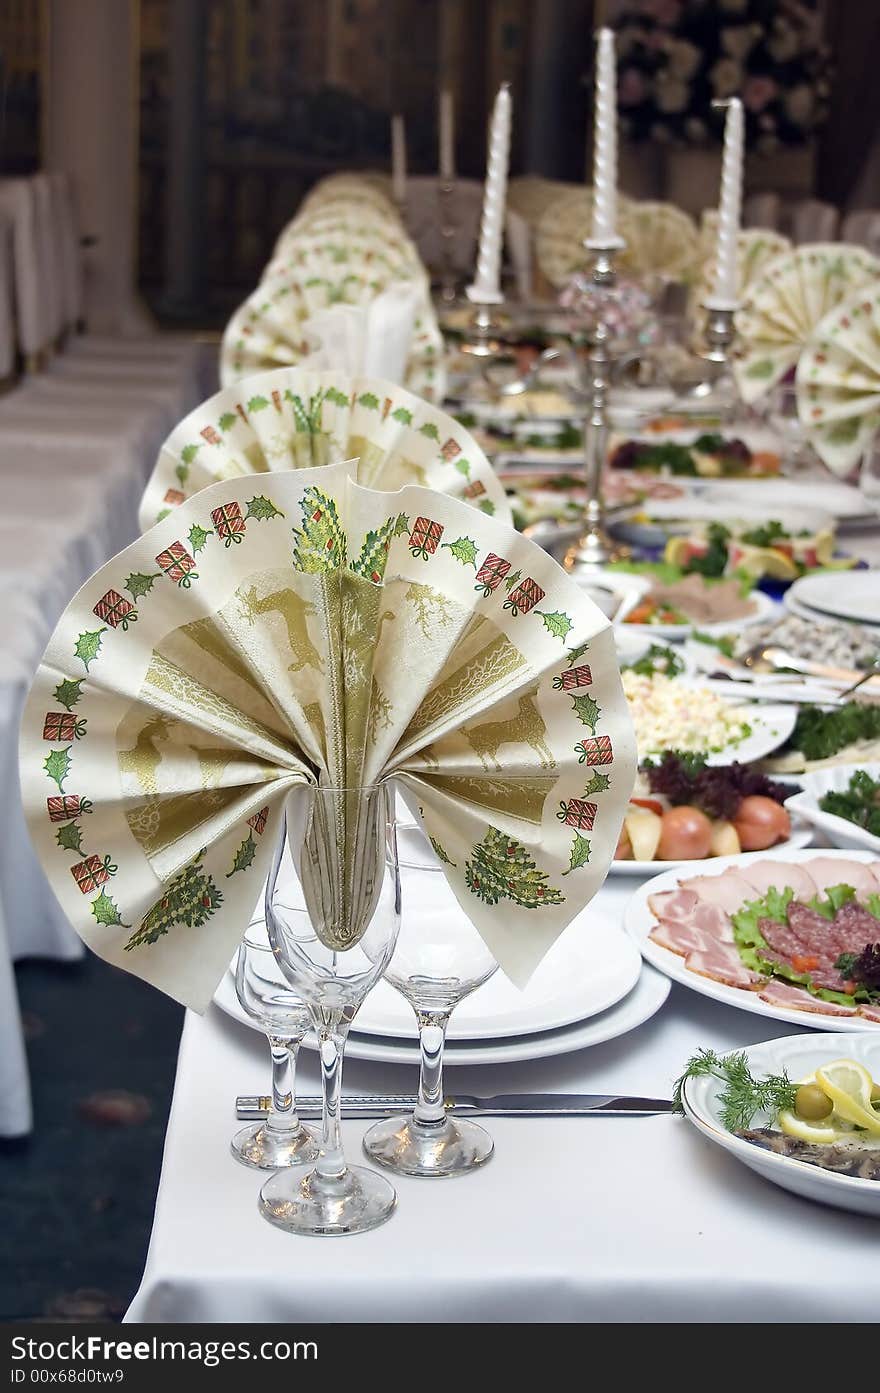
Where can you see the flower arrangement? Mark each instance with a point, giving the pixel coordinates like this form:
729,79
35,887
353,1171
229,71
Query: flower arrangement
675,57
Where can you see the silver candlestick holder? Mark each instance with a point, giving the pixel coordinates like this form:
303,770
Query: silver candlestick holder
448,229
484,336
594,548
719,334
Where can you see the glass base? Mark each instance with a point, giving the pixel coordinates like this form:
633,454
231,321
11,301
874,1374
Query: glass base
268,1150
358,1201
455,1147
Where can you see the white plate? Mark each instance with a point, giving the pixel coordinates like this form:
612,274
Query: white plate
800,837
777,496
639,921
645,999
858,600
839,831
800,1055
671,633
771,724
589,968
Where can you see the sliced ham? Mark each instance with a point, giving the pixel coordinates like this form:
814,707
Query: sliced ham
874,868
765,875
679,938
713,920
829,870
777,993
870,1013
722,963
730,890
676,905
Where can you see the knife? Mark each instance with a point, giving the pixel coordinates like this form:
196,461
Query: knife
252,1108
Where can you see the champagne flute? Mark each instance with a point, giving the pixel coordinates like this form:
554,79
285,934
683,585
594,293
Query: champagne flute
439,960
340,845
264,994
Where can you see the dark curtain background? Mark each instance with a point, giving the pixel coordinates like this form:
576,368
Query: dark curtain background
853,31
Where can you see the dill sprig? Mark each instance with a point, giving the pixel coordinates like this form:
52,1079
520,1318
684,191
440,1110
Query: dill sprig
742,1096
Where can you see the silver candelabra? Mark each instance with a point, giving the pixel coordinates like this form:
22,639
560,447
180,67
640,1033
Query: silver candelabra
594,548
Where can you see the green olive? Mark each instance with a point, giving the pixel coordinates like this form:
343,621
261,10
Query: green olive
811,1103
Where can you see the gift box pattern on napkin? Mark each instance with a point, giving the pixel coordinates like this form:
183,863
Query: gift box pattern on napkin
221,718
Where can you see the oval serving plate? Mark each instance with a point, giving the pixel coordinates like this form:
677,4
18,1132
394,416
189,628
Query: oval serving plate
799,1055
639,921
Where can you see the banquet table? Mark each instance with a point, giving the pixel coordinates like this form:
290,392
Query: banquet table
573,1220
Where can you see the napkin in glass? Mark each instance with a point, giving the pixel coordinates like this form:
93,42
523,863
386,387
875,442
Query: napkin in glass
298,630
268,329
295,418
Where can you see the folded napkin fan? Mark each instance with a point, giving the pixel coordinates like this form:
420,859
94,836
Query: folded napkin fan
294,418
301,629
838,382
784,304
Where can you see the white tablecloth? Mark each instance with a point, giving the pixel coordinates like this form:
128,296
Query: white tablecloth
593,1219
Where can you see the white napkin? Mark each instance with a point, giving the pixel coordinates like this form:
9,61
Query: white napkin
373,338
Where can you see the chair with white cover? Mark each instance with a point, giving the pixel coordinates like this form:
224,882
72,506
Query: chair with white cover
520,253
762,210
424,216
811,220
862,228
32,322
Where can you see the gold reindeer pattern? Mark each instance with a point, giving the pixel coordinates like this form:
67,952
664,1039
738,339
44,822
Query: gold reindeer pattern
527,727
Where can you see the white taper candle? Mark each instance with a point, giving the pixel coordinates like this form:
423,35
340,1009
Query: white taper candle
447,137
398,159
604,230
726,288
486,289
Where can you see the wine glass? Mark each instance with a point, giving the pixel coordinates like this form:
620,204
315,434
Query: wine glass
264,994
340,846
439,960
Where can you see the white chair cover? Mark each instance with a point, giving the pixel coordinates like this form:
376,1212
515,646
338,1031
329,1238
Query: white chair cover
17,202
863,229
762,210
811,220
7,311
518,240
49,255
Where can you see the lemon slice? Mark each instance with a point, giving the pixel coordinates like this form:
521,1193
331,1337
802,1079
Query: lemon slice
677,550
848,1085
819,1132
765,561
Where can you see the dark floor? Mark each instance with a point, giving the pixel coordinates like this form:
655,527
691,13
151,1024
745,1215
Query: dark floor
76,1198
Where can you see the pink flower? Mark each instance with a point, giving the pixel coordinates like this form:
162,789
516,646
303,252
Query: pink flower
757,92
630,87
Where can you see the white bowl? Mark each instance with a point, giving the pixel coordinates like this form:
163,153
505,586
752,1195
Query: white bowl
839,830
800,1055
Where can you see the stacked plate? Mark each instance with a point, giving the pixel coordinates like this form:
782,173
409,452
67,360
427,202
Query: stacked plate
826,596
591,987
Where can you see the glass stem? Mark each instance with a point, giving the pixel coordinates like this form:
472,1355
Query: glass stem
330,1165
429,1110
282,1116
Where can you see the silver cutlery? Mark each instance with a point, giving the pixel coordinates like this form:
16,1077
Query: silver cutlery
252,1107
